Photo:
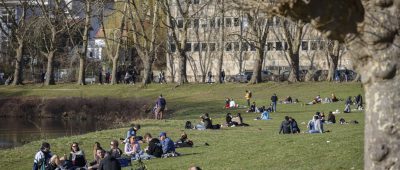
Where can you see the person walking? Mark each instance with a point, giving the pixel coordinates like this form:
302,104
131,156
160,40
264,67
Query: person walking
160,107
274,100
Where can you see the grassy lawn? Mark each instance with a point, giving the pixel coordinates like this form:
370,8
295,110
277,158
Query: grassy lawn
258,146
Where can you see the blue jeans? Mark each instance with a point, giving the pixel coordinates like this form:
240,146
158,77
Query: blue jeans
274,106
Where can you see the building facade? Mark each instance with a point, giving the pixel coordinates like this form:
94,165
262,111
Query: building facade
206,24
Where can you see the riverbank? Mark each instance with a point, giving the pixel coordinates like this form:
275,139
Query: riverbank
256,147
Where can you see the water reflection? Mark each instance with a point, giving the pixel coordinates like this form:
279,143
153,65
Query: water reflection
18,131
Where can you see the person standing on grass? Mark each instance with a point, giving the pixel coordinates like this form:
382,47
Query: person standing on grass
160,107
274,100
222,76
248,97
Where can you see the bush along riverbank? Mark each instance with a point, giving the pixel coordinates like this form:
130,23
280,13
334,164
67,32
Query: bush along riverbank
76,108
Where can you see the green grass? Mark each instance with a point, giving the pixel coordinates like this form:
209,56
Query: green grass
256,147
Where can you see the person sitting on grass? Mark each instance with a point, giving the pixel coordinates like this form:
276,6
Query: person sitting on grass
100,153
295,127
155,147
334,98
286,126
205,123
183,141
56,163
227,103
168,146
239,120
232,103
316,100
264,114
315,125
133,132
331,118
115,151
252,108
42,158
133,149
288,100
109,163
229,122
77,156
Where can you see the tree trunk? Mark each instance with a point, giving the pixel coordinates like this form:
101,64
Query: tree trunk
81,77
19,65
182,68
50,69
221,43
257,78
147,69
333,61
85,37
114,70
294,70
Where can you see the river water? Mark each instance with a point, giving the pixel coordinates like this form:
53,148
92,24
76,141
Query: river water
18,131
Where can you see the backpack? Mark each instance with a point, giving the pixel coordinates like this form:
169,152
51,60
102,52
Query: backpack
188,125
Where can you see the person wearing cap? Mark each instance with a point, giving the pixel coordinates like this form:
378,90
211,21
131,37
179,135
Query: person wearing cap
42,157
168,145
133,132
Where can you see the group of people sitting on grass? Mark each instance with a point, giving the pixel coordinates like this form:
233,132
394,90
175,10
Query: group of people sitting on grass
115,158
231,121
288,126
230,103
358,102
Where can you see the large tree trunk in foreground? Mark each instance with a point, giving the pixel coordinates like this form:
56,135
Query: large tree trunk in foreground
19,65
370,30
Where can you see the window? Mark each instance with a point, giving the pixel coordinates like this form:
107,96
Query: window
228,22
228,46
321,45
304,45
204,47
252,46
314,45
196,23
236,22
180,23
286,46
172,47
236,46
245,46
203,23
188,47
211,46
278,46
196,46
212,23
270,46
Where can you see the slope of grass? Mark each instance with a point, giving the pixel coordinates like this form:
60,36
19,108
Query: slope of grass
258,146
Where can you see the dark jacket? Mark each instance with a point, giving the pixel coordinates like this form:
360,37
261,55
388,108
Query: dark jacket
286,127
109,163
155,148
274,98
207,123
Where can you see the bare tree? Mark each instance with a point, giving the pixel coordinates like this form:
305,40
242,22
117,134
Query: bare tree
371,33
16,29
144,21
114,37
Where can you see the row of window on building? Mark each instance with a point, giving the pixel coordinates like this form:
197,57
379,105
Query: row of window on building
312,45
229,22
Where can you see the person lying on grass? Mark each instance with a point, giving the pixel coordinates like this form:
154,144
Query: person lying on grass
239,120
183,141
